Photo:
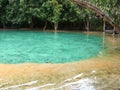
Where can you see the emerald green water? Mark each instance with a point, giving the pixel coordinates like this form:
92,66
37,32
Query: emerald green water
42,47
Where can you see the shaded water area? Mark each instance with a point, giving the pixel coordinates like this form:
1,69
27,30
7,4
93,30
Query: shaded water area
47,47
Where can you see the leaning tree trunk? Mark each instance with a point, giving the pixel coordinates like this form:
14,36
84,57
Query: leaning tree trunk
98,11
55,26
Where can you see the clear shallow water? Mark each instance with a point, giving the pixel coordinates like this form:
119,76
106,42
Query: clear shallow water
47,47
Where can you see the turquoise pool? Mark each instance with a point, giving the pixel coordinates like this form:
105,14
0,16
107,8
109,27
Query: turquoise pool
47,47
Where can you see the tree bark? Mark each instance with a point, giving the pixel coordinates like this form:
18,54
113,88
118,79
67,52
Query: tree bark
32,24
87,23
103,26
55,26
4,26
44,28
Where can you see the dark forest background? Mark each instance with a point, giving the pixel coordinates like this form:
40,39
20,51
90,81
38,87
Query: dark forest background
55,14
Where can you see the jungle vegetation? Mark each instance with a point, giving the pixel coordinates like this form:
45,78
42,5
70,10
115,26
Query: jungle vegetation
55,14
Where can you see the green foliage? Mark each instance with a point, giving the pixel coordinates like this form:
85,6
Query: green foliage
17,12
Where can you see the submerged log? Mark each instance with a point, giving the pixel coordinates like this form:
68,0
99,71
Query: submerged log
111,32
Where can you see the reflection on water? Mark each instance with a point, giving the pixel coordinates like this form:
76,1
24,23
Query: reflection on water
103,40
114,42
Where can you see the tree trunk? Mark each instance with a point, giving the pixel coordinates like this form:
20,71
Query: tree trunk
32,24
87,23
104,26
44,28
98,11
4,26
55,26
